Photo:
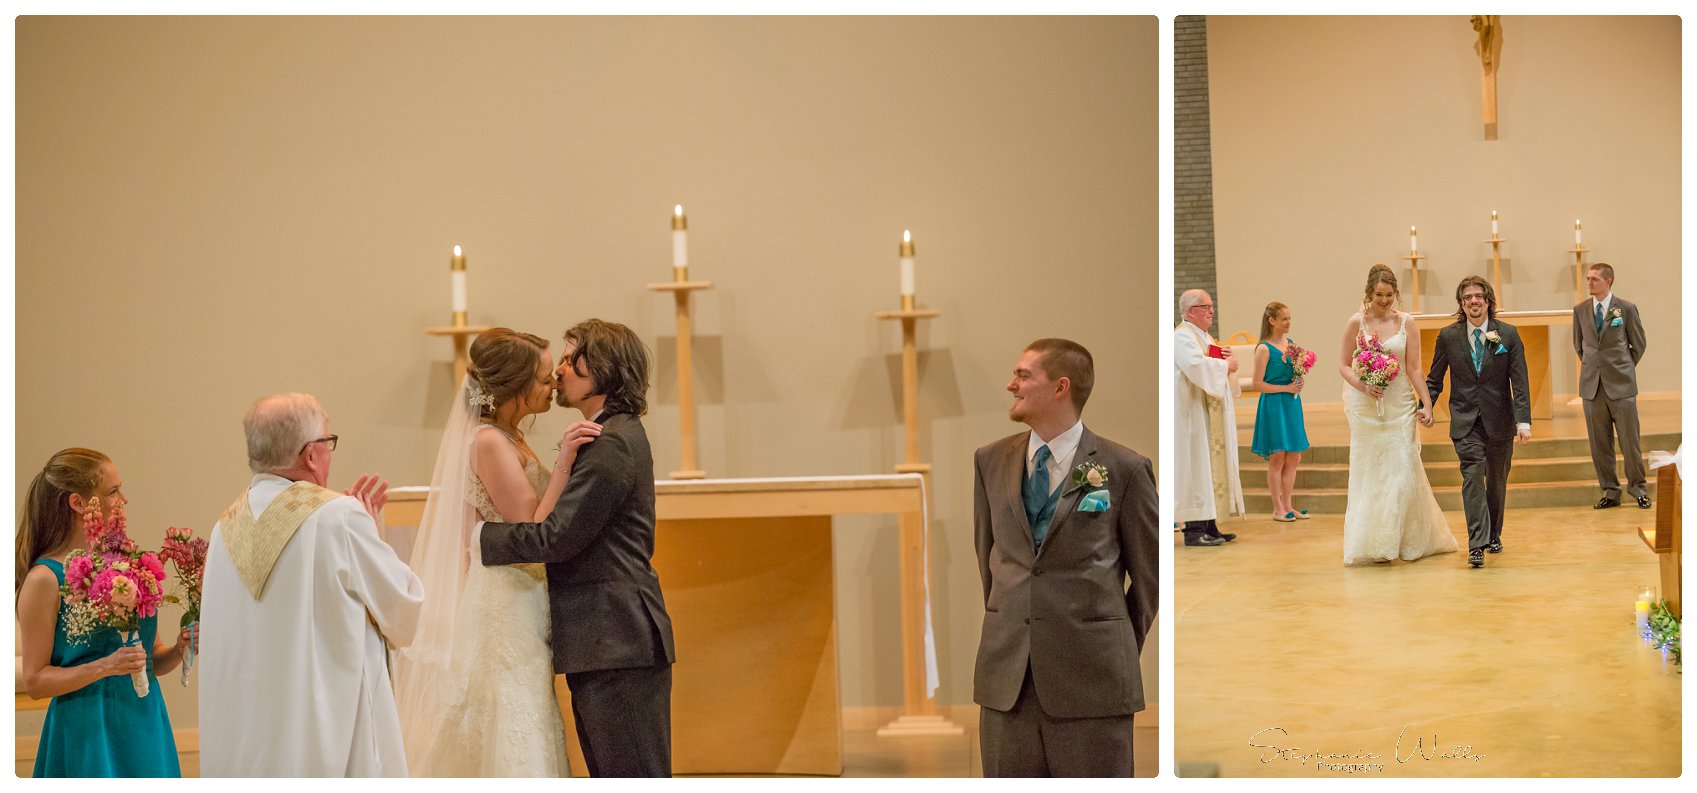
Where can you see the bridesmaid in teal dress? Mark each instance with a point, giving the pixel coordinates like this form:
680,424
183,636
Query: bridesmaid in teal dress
1280,435
96,725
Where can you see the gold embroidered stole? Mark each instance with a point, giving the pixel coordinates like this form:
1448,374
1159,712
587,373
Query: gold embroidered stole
1217,463
255,545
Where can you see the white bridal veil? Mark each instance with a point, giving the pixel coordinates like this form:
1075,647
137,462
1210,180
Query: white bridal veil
427,682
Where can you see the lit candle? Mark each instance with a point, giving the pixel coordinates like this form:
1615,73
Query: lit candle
1576,238
456,267
680,249
1642,608
1413,242
1493,222
906,252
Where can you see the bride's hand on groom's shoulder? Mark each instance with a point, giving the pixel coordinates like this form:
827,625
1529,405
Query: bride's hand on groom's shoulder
575,437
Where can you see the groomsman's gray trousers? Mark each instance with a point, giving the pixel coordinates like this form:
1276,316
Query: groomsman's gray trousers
1484,484
1027,742
1604,418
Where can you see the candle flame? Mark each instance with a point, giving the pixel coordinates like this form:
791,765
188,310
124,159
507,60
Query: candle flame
907,236
1576,223
678,210
456,250
1411,231
1493,214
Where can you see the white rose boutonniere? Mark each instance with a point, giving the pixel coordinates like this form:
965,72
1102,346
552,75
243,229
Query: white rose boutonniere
1095,477
1496,338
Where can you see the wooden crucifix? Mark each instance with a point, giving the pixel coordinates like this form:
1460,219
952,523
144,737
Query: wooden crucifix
1490,49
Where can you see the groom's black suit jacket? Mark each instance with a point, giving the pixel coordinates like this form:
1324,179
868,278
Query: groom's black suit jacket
604,596
1483,398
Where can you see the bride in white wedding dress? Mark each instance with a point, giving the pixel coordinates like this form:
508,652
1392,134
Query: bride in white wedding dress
476,688
1391,512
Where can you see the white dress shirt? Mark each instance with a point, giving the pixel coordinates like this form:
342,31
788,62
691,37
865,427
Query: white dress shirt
1061,448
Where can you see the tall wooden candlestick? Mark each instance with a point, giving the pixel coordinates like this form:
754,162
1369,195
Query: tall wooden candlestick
459,331
1580,293
1413,258
919,707
680,286
1497,269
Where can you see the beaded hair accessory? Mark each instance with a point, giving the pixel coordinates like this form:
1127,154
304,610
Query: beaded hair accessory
480,397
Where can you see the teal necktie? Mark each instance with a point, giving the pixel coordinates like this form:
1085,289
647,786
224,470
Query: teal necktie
1478,351
1599,319
1039,508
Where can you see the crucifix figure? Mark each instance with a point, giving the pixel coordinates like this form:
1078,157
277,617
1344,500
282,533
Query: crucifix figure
1490,49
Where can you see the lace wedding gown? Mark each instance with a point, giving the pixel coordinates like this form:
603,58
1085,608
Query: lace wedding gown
1391,513
507,724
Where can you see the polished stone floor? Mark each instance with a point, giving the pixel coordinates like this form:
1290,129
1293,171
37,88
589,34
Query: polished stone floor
1531,663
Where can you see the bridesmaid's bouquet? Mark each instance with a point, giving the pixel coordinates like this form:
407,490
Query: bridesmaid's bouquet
188,554
111,586
1300,360
1372,364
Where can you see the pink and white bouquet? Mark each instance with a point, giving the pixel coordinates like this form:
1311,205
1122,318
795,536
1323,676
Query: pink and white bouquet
1372,364
1301,361
188,554
111,586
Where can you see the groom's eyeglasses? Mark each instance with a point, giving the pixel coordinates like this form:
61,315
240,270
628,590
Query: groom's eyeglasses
330,439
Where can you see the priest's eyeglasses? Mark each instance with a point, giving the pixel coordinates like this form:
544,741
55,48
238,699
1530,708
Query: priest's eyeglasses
330,439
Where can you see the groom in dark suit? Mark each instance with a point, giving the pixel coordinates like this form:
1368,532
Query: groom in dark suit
1490,409
1065,528
611,636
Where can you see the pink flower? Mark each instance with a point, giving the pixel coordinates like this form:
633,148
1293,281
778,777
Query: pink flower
78,568
153,566
123,590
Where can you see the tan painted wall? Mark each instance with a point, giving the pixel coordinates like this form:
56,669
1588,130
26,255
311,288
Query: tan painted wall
214,209
1333,135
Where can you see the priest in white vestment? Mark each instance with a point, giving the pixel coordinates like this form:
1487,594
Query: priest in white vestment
1204,425
300,598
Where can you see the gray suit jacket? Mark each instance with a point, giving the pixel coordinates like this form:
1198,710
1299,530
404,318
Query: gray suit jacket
604,596
1068,611
1608,363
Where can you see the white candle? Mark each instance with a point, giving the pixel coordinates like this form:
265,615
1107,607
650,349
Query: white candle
1413,242
1493,222
680,248
906,252
1576,237
457,272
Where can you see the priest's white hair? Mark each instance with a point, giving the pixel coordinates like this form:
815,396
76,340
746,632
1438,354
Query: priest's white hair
277,426
1189,299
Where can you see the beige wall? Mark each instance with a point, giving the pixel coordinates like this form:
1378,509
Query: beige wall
1333,135
214,209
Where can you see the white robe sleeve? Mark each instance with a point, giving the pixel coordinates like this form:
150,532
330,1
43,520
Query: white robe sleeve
377,578
1209,374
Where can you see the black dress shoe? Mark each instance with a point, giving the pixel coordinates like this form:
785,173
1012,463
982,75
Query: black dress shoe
1605,502
1476,557
1496,546
1643,502
1224,537
1202,539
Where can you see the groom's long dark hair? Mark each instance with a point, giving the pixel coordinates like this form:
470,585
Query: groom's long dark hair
617,362
1490,296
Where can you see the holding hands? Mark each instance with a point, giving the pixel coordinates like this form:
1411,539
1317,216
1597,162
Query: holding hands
1425,414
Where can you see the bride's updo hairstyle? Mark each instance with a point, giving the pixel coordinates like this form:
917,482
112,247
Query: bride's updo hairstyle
1380,274
503,364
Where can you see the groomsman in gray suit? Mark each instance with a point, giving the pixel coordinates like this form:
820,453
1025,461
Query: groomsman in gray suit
1065,528
1609,339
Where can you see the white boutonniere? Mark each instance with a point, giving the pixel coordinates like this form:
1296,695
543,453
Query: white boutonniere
1090,474
1614,312
1495,338
1614,318
1093,476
